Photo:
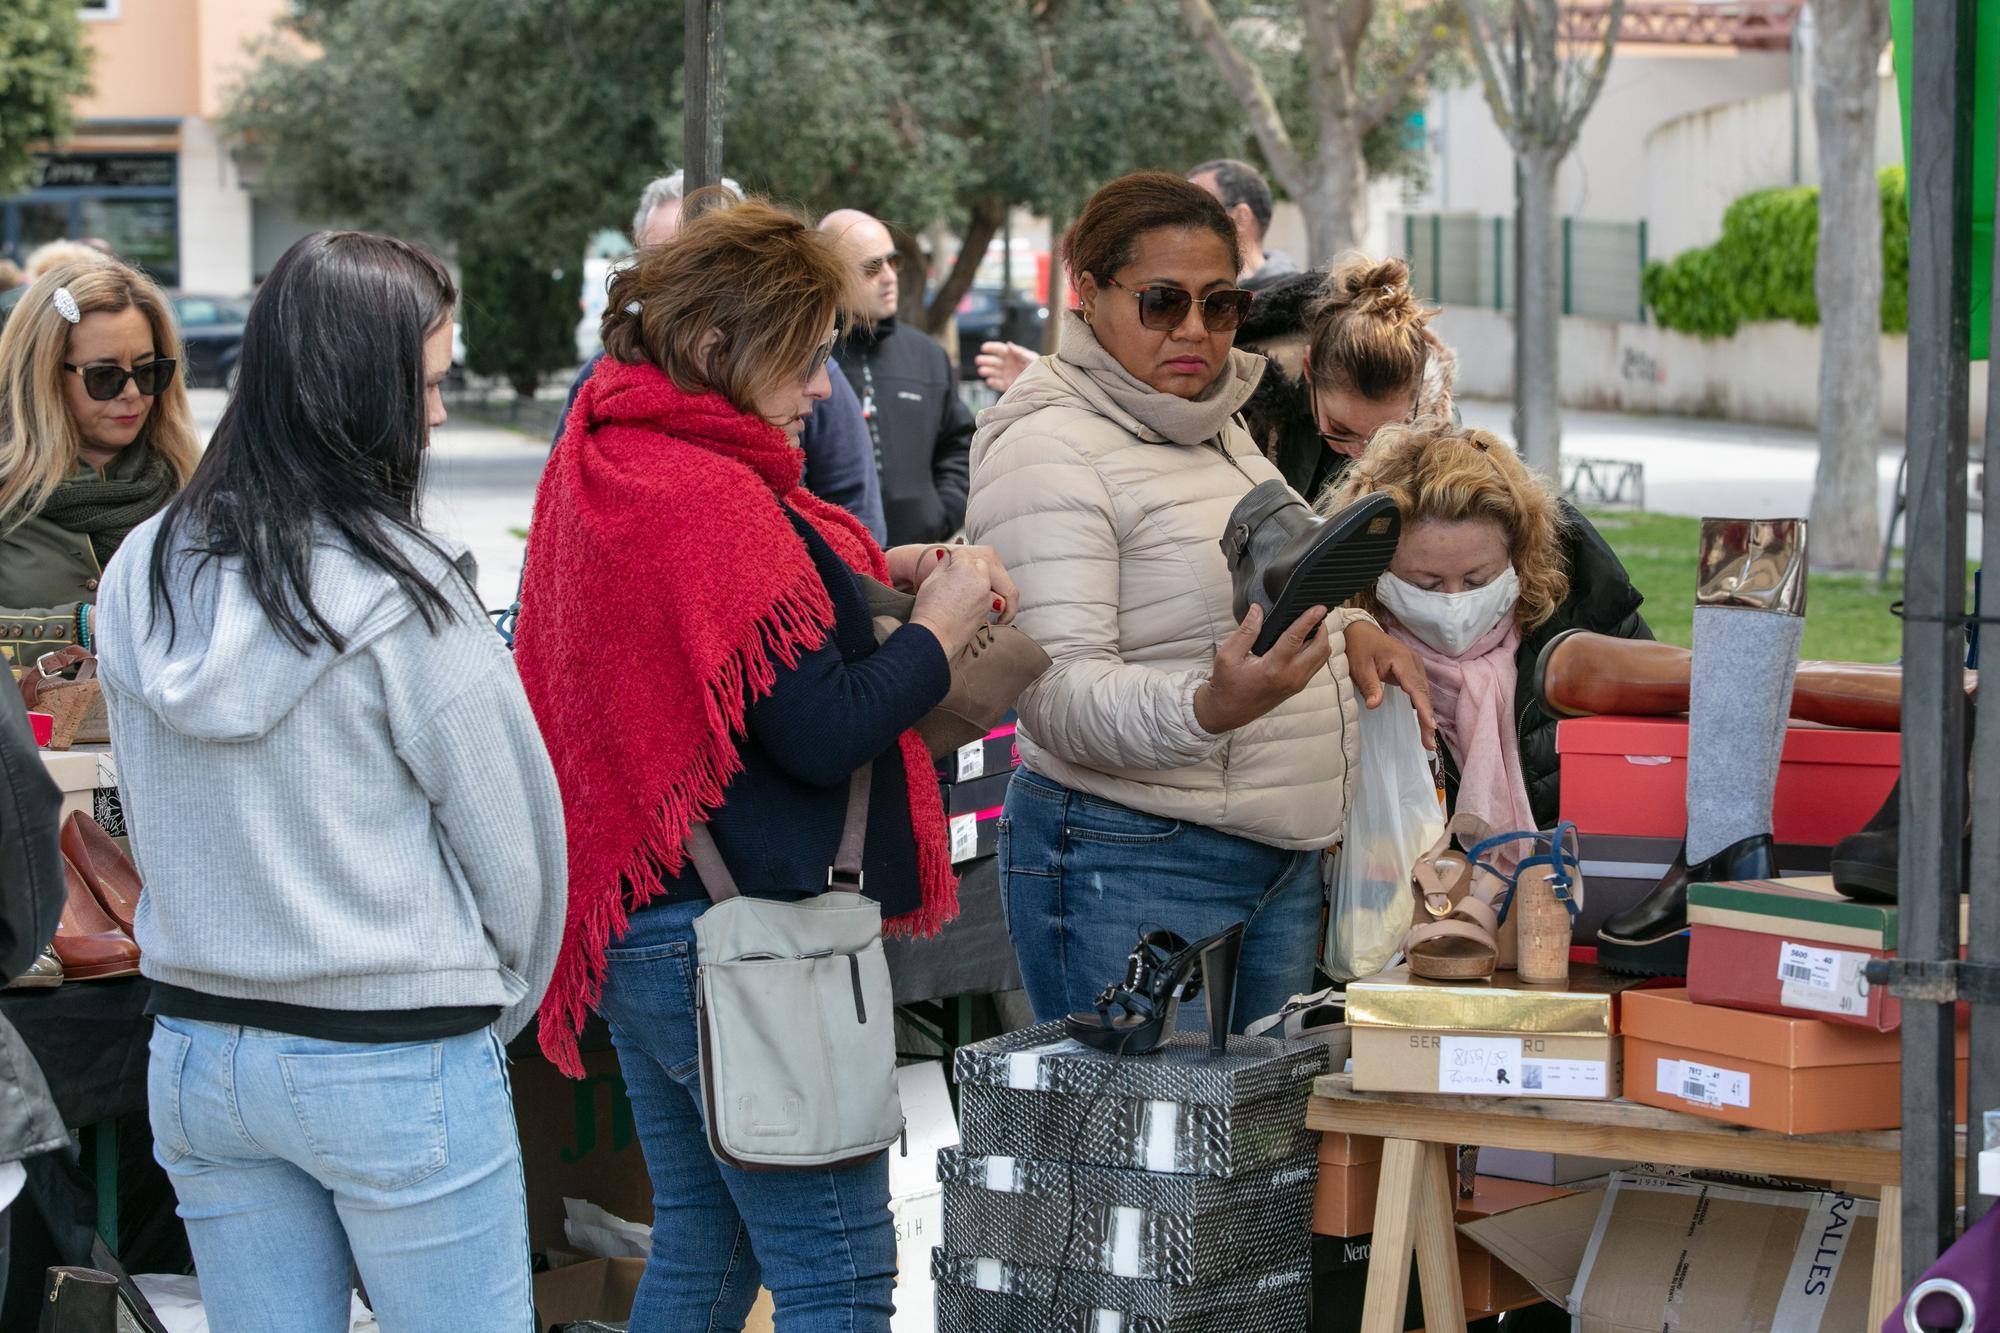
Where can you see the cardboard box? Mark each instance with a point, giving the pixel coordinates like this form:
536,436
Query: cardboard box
1586,1006
1789,1075
1628,776
974,835
1801,908
577,1142
1544,1168
977,796
998,753
1349,1149
916,1199
1340,1285
1486,1064
1344,1199
1647,1254
1488,1284
1775,974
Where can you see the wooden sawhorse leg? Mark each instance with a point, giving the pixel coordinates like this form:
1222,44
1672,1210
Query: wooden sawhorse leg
1413,1210
1886,1287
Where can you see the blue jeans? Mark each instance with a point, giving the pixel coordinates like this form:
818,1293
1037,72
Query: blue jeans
822,1241
291,1154
1082,878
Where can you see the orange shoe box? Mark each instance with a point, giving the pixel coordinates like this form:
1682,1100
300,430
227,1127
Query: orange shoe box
1350,1170
1766,1071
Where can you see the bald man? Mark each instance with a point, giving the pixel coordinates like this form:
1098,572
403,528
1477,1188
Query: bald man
921,430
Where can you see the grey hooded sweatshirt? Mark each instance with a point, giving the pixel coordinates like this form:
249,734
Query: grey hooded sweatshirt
372,829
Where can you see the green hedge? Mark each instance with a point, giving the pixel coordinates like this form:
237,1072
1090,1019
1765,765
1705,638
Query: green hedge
1762,268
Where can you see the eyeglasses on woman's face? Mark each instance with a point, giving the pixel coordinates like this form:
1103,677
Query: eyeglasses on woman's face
1164,309
106,382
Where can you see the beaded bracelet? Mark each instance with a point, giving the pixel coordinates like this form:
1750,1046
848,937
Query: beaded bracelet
83,627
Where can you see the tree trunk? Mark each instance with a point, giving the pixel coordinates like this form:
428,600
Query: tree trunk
989,212
1539,313
1848,281
1336,206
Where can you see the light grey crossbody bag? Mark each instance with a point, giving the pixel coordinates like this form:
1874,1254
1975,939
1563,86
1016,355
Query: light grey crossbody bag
796,1016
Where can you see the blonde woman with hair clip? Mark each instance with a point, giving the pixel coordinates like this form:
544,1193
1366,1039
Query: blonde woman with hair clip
96,436
1491,566
1351,350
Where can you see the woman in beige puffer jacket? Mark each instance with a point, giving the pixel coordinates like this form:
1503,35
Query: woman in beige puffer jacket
1170,779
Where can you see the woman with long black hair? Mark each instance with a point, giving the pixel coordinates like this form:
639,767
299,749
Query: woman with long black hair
350,833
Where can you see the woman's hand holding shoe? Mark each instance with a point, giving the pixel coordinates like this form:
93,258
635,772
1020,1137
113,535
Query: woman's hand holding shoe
960,595
1242,688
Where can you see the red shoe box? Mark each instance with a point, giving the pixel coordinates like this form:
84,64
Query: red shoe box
1769,974
1627,777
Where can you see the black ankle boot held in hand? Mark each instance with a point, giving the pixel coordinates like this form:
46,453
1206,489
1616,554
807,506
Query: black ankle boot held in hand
1286,559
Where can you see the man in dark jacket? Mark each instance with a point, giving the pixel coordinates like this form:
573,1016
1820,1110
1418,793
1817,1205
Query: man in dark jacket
31,900
921,430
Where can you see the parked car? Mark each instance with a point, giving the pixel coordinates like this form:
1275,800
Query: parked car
983,317
212,336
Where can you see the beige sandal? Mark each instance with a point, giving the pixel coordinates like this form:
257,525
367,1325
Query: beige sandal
76,703
1457,935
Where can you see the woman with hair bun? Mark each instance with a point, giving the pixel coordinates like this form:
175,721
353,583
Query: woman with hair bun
1491,566
1352,351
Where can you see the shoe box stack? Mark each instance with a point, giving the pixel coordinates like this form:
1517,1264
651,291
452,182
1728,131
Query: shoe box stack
1777,1028
974,785
1169,1192
1624,786
1494,1038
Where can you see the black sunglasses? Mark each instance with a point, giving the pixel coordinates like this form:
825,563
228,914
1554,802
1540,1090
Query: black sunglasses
821,355
1163,308
871,268
104,383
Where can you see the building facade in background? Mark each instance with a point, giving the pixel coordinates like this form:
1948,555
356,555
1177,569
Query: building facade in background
147,166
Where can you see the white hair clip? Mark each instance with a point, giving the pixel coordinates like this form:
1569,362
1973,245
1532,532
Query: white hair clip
66,306
633,307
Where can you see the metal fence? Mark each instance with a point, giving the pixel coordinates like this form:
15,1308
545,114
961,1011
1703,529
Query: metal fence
1465,260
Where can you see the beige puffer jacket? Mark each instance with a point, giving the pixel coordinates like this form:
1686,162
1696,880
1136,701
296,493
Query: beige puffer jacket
1107,500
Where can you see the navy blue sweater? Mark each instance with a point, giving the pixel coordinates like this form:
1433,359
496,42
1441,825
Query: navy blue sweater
843,705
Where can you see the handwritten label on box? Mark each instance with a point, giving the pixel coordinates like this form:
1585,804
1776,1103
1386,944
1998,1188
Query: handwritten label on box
1488,1066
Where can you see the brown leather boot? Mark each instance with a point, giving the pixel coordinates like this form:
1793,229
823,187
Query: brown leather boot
1580,674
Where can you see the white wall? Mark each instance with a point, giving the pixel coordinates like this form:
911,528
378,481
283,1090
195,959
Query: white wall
1607,175
1767,373
1699,164
214,215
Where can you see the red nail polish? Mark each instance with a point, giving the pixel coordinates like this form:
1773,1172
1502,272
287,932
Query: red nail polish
999,605
940,552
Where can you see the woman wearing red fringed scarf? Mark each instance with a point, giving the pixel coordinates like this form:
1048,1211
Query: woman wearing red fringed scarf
696,649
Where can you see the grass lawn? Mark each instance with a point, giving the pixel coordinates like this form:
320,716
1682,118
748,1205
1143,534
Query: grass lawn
1847,617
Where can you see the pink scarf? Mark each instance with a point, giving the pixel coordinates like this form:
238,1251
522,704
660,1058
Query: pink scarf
1473,697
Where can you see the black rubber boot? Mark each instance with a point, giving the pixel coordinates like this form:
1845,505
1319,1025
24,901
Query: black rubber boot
1286,559
1664,912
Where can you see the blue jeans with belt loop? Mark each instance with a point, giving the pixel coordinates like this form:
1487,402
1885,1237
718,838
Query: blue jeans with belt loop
1082,878
289,1153
823,1241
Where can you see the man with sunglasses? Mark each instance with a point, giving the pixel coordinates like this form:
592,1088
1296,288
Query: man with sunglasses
920,429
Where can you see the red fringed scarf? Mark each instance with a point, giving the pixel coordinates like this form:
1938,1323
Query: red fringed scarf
660,558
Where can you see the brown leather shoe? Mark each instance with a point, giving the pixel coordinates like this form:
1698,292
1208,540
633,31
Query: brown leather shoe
88,941
107,870
1580,674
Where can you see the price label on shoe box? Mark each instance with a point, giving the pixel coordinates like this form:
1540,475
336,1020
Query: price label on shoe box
1827,981
1704,1085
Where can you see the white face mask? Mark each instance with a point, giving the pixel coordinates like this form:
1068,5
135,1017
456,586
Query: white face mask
1450,622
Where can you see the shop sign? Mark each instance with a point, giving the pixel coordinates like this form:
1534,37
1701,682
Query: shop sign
102,171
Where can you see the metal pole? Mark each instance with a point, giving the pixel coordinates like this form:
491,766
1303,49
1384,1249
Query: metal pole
1983,942
702,133
1933,775
1520,110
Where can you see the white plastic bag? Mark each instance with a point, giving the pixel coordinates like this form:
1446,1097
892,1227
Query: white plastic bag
1394,820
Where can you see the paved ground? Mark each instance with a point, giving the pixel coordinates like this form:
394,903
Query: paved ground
1698,467
482,487
482,480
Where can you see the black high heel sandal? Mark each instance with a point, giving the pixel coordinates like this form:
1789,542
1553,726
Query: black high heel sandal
1135,1016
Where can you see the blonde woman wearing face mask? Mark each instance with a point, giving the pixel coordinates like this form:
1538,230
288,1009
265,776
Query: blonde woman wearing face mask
1491,566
